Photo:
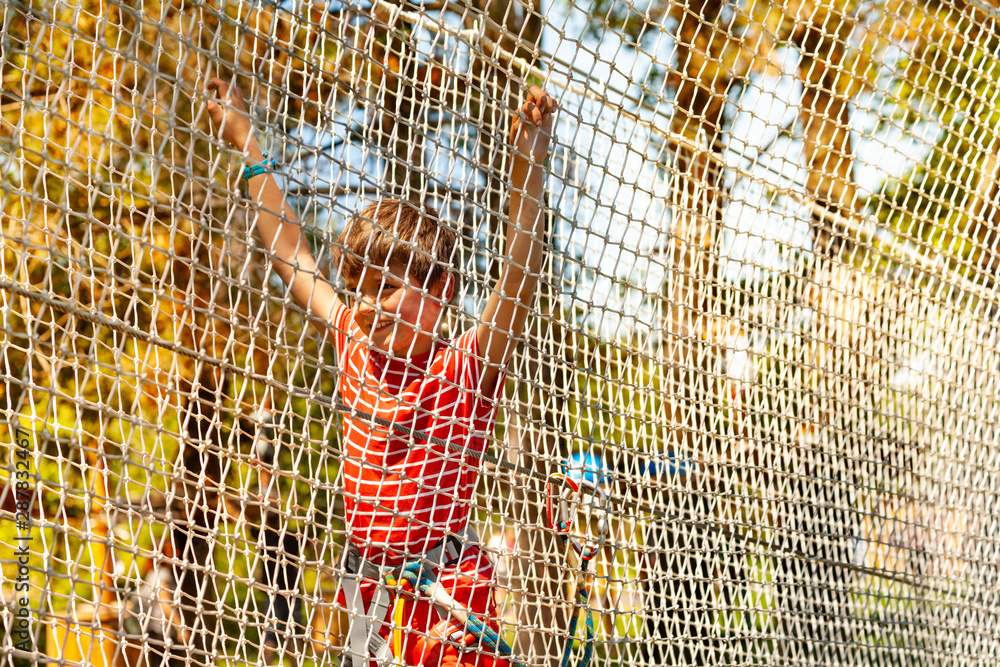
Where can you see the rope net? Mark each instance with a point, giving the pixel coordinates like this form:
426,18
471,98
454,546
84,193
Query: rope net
763,342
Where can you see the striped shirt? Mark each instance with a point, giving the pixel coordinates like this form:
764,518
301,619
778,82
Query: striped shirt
402,494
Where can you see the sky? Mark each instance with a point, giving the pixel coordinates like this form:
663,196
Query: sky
883,149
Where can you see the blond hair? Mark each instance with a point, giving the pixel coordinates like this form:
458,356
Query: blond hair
404,233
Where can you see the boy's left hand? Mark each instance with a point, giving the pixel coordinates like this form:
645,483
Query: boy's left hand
531,129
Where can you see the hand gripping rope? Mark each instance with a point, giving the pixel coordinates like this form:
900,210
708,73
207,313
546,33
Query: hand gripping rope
581,552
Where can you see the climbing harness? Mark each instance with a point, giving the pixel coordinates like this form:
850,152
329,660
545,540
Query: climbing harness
560,512
474,629
413,576
420,576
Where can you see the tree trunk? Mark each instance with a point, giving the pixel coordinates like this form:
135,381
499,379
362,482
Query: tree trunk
197,481
826,123
398,122
681,614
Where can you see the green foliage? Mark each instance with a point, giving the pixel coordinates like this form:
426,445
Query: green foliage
618,401
948,200
635,23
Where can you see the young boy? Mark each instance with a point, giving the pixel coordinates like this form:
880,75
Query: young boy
408,499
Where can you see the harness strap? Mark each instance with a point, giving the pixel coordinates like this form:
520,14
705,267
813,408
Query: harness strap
582,602
364,639
376,615
358,635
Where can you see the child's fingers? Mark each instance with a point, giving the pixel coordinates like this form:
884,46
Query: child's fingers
231,94
533,113
219,85
543,105
214,85
541,99
538,98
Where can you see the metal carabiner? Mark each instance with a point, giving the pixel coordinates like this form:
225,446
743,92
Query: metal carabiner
564,524
568,510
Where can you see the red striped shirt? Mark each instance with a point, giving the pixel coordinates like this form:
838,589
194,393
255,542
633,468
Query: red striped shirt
403,494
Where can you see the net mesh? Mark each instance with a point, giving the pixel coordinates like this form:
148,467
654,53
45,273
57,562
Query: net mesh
765,331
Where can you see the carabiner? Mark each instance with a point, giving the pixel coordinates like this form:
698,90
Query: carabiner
568,509
564,524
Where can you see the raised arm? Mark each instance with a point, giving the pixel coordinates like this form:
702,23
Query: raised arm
507,309
278,226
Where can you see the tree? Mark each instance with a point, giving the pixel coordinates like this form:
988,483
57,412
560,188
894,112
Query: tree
949,76
832,72
113,204
718,47
711,56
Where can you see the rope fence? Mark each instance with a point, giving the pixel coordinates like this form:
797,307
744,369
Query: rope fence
750,417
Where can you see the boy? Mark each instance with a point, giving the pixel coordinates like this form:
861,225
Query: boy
406,499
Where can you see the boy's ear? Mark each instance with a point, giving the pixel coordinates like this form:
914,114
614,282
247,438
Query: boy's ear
447,282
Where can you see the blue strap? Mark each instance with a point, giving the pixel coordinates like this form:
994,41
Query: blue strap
256,169
588,647
489,638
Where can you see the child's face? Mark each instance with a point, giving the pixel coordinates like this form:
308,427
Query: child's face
394,312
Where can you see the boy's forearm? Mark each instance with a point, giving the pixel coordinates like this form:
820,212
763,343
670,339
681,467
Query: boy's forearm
526,226
274,210
507,309
281,234
276,222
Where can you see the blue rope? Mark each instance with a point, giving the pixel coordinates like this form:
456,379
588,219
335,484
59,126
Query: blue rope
588,647
477,627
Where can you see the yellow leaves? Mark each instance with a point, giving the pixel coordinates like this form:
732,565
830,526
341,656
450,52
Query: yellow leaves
900,22
69,119
715,51
161,250
159,367
771,19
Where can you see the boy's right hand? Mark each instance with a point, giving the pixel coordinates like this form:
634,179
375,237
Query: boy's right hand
229,113
531,128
